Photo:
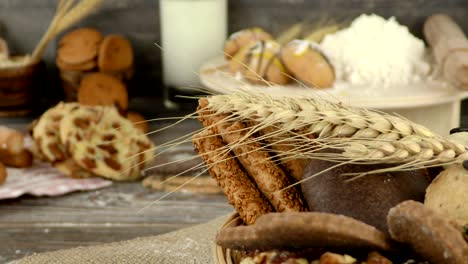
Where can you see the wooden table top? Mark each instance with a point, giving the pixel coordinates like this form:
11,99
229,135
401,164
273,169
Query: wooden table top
30,224
120,212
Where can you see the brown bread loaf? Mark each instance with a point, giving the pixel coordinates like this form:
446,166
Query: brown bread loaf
367,198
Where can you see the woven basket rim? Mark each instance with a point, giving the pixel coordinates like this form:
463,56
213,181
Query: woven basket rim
21,70
223,255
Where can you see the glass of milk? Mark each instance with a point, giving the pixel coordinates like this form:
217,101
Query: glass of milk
192,32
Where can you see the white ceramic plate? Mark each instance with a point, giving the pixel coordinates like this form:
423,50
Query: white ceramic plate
215,76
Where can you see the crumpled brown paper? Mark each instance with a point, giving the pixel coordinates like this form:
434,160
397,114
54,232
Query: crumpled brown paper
191,245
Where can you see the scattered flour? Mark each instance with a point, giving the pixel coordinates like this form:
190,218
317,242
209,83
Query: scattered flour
376,51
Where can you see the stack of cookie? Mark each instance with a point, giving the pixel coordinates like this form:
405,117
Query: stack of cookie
84,141
87,50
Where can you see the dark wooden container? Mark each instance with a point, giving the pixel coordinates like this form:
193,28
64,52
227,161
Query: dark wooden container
17,84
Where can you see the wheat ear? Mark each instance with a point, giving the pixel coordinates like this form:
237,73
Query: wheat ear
363,136
68,13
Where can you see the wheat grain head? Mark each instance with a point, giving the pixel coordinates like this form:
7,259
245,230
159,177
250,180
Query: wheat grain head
361,135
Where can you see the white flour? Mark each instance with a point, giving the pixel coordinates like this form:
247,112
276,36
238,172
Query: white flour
377,52
14,62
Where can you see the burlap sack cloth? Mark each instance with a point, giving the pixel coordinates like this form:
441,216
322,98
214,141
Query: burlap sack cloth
191,245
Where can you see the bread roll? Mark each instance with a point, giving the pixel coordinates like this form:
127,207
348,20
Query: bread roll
239,39
367,198
259,62
307,64
23,159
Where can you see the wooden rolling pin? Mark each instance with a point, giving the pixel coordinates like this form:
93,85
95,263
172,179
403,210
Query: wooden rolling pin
450,47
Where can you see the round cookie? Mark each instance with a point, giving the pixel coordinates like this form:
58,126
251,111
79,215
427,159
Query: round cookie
103,89
79,46
115,54
303,59
100,140
428,233
70,168
46,132
239,39
85,66
138,121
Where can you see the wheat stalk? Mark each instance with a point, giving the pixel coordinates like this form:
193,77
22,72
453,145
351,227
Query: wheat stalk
360,135
78,12
67,13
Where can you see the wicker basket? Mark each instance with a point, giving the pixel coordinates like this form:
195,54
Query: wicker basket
225,255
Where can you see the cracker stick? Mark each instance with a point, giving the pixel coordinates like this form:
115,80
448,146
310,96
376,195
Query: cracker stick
182,183
23,159
235,183
268,176
3,173
293,167
11,140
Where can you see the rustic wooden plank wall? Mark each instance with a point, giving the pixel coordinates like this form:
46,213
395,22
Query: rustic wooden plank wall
23,21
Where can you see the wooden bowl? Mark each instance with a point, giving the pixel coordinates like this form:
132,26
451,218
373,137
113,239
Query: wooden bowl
17,82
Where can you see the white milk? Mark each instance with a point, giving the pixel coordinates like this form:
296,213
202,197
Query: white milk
192,32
